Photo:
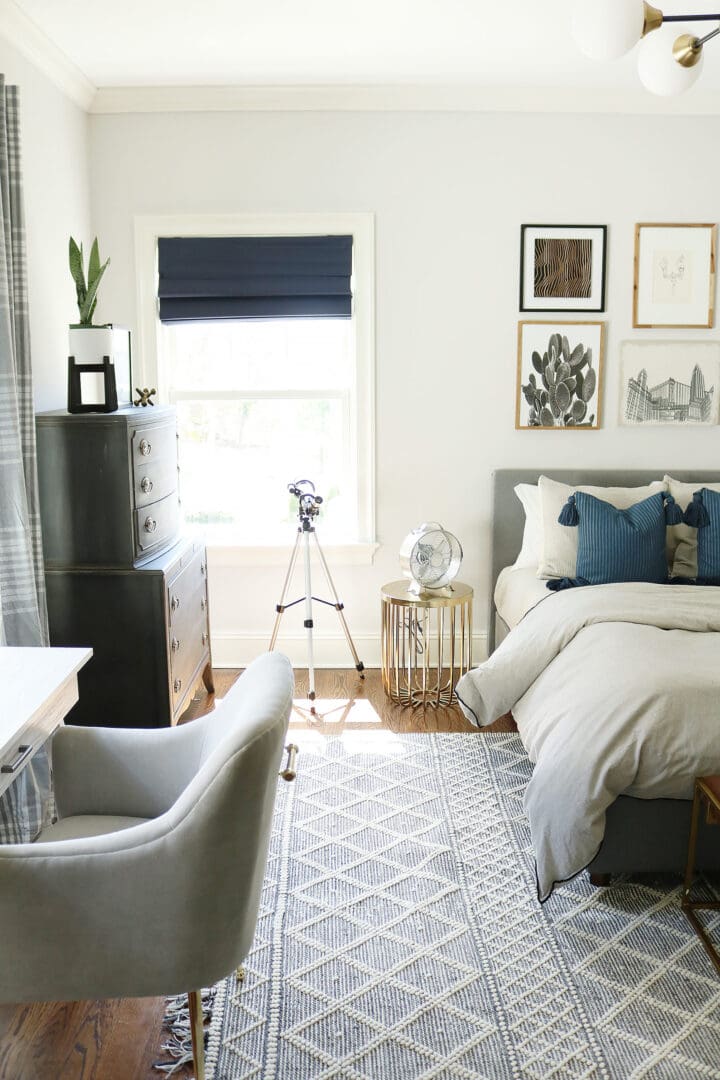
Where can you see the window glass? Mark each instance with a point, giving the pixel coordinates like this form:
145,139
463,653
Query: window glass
261,403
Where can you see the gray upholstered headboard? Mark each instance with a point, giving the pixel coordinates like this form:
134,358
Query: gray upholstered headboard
509,517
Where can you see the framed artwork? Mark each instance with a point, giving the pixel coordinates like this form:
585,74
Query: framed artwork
559,375
562,267
669,382
674,282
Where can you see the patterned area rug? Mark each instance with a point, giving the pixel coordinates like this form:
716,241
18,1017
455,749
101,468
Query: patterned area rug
400,936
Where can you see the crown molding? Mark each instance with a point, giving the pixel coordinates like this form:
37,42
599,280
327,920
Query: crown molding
29,39
407,98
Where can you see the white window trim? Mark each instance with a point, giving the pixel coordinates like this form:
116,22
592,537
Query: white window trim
149,228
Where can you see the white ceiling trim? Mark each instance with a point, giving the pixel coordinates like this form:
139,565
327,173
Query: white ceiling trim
471,98
37,47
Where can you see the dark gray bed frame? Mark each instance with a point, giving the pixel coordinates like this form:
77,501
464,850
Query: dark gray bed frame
641,835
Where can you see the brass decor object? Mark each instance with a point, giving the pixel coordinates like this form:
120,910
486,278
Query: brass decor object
707,790
144,396
426,643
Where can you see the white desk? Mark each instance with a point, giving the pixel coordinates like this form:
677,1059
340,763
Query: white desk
39,687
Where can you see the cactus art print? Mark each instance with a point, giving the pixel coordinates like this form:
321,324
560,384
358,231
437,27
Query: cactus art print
559,375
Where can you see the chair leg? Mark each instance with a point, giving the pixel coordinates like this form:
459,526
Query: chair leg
198,1033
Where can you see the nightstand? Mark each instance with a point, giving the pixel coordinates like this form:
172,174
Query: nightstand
707,792
426,643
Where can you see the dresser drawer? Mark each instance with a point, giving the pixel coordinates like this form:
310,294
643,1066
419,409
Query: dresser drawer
156,525
153,442
188,623
153,480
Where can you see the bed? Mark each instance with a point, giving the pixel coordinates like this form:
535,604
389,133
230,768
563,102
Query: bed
645,833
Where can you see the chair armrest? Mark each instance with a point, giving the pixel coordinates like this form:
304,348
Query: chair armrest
130,772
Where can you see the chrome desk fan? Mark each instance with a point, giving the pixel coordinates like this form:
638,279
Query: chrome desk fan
430,556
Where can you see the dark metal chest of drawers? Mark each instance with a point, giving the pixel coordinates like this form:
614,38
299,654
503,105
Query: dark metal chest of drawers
108,486
119,577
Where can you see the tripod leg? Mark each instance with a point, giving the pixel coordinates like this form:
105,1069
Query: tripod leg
359,666
279,608
309,625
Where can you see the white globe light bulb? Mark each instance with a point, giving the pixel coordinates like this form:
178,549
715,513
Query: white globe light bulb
659,71
606,31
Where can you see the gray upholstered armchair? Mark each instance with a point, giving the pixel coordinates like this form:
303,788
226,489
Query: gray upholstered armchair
149,882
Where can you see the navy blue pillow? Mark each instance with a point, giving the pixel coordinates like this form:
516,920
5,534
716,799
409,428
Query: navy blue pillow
704,514
619,545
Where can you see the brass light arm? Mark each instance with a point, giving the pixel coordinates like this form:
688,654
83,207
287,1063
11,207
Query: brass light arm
654,18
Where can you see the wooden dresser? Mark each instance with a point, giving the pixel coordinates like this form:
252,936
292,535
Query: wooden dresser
119,577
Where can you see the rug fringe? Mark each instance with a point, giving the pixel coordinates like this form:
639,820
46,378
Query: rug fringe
176,1022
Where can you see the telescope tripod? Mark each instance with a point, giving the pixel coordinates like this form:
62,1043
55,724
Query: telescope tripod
305,530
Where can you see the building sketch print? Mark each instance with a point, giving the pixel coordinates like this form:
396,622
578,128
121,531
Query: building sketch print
670,401
672,277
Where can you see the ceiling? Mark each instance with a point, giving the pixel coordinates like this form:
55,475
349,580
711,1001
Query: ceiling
153,43
118,56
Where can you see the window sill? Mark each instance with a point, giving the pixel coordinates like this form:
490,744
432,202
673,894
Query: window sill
220,555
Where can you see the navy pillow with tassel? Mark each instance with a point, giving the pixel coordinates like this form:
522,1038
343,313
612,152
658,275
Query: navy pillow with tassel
703,514
618,545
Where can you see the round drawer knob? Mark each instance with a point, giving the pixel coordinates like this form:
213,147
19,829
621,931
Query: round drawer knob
175,644
176,685
204,638
150,524
175,603
146,484
145,447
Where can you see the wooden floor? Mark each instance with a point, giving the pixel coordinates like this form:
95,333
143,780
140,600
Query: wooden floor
120,1039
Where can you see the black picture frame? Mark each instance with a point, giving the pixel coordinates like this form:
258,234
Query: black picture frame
76,402
586,292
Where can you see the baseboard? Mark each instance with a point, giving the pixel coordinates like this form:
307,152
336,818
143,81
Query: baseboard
329,651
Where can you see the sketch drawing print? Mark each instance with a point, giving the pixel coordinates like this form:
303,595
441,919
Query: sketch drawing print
672,278
563,268
670,401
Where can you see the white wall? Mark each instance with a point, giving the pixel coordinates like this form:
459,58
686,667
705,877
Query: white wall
449,192
54,134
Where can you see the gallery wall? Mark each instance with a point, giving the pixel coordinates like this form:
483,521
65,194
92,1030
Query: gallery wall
449,192
54,135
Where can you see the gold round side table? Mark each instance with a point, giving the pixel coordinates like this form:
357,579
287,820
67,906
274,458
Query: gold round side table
426,643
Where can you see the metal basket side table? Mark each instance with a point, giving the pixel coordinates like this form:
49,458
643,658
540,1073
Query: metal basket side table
426,643
707,793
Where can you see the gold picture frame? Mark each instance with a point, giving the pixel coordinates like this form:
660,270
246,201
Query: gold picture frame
580,346
674,276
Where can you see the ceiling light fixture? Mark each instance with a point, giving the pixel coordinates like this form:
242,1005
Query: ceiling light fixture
606,31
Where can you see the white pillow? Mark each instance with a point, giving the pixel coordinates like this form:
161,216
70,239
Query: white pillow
683,539
560,542
531,550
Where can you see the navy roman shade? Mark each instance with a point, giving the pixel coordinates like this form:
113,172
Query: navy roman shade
254,277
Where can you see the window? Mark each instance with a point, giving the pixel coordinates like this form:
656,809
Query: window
265,401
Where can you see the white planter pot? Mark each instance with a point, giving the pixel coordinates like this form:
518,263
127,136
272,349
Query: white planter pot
89,344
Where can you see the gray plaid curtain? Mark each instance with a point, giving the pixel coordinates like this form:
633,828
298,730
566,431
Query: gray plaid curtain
23,611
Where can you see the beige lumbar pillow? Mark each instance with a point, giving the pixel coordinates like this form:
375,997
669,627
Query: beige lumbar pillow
560,542
682,539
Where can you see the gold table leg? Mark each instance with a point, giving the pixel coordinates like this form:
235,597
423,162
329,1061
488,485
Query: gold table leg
688,905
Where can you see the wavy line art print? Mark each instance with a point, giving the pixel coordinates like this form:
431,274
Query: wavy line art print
562,267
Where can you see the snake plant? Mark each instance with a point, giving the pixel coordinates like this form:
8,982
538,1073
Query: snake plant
86,290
